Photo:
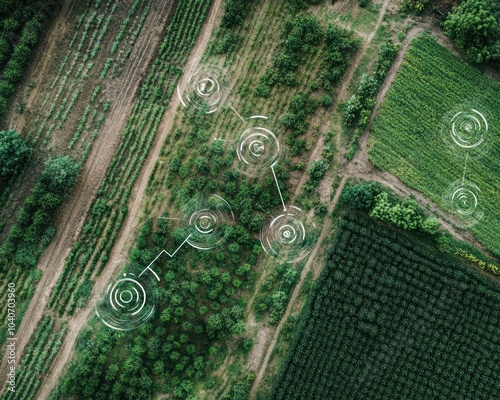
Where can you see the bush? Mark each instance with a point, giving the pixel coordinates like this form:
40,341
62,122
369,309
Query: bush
416,6
406,214
13,153
317,171
235,12
321,209
386,56
475,27
301,105
361,196
326,100
59,174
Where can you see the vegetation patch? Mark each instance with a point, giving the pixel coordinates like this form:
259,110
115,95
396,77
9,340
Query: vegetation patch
388,318
412,132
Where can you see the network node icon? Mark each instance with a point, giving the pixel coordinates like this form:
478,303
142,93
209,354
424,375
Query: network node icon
289,236
205,89
129,301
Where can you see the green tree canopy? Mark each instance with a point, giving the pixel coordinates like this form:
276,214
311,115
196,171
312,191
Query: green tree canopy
13,153
60,173
475,27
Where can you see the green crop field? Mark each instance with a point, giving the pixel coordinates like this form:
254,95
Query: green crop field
389,319
170,169
37,360
411,134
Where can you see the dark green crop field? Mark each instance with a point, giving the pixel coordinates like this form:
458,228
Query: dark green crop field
389,320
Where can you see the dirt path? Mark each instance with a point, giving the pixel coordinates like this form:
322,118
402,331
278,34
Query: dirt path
361,156
360,167
312,262
74,211
122,246
343,92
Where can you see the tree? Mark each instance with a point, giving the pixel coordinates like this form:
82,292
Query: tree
235,12
60,173
317,171
431,225
13,153
475,27
361,196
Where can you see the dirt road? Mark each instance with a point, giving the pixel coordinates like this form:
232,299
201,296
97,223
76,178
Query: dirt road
125,241
359,167
74,211
342,94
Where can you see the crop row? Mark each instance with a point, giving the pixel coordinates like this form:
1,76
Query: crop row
110,207
387,318
74,70
431,87
38,358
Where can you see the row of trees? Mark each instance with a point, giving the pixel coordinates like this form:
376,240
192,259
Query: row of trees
21,25
405,214
360,105
34,229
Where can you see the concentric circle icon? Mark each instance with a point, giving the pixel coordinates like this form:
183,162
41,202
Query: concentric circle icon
207,221
257,148
129,302
468,129
288,236
463,200
205,88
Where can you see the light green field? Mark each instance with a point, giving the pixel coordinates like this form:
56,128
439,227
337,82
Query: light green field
412,135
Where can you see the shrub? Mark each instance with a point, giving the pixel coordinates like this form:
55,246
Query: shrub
361,196
13,153
317,171
475,27
416,6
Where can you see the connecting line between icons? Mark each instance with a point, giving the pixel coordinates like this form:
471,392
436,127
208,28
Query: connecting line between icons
180,97
278,186
159,255
465,167
236,112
